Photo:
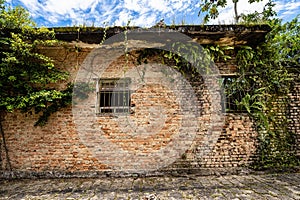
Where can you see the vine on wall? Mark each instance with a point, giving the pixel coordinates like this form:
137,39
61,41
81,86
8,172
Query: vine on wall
266,86
27,76
266,81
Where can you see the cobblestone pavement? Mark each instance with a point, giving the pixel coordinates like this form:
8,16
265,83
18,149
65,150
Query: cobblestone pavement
267,186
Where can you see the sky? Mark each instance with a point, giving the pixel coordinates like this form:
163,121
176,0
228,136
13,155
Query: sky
143,13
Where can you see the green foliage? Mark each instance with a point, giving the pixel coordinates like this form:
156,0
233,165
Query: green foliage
26,76
259,17
266,84
188,59
286,40
218,53
265,78
81,90
210,9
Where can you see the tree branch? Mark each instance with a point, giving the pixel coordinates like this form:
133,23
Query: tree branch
4,143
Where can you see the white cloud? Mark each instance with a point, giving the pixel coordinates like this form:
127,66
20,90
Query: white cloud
123,18
158,5
64,7
9,2
150,11
32,5
53,19
287,9
145,20
133,5
141,12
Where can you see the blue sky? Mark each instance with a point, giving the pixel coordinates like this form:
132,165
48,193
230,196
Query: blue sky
144,13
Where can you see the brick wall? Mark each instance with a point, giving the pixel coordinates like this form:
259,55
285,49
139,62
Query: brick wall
294,116
174,123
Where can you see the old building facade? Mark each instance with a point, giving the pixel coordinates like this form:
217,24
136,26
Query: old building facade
139,116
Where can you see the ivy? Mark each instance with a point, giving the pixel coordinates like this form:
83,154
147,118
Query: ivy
267,81
25,74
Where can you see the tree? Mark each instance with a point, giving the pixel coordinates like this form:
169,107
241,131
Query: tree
26,76
286,42
210,8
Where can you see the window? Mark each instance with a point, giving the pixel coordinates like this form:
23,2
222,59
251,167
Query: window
231,94
113,96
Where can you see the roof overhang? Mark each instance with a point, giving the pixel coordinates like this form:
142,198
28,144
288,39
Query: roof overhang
230,35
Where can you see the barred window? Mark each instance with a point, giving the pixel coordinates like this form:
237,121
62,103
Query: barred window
231,94
113,95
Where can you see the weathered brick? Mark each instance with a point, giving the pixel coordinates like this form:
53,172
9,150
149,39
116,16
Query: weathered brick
220,140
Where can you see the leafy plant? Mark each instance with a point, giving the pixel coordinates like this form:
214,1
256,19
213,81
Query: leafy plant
267,82
27,77
265,76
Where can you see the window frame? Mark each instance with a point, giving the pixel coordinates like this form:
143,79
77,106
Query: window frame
108,87
228,102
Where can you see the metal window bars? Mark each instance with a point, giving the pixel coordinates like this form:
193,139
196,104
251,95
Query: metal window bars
113,95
